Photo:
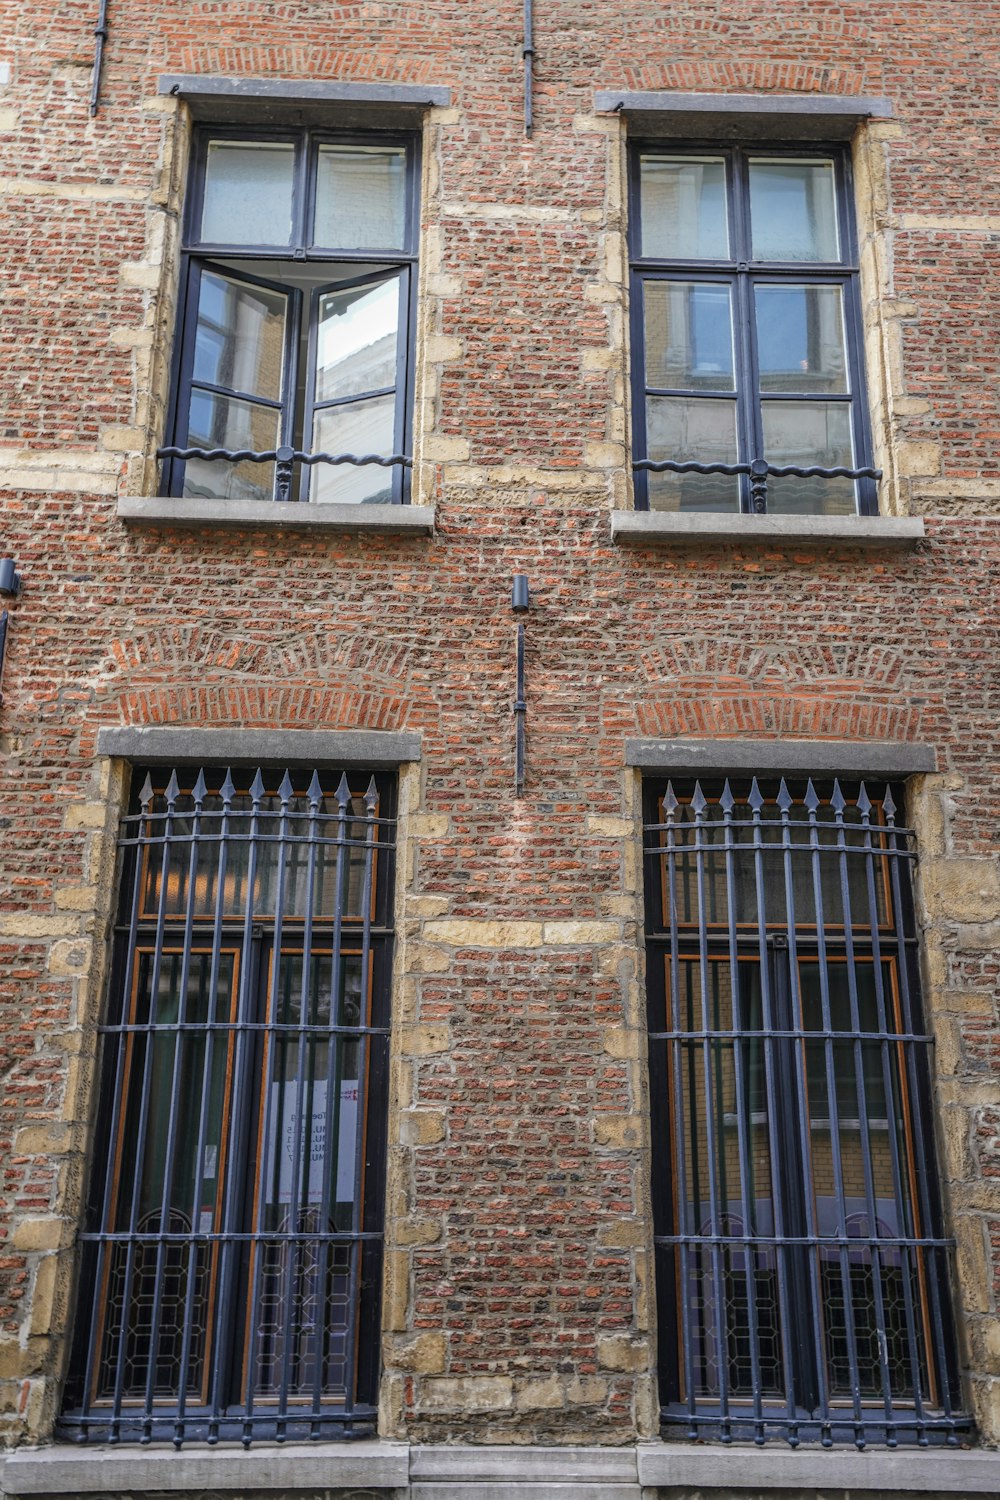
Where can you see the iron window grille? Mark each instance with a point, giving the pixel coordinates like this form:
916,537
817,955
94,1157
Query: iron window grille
232,1251
747,340
293,366
802,1270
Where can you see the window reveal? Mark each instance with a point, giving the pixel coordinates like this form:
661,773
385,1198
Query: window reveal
802,1270
231,1260
746,332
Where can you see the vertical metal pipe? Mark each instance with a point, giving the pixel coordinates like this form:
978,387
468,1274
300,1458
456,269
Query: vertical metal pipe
520,709
528,54
100,35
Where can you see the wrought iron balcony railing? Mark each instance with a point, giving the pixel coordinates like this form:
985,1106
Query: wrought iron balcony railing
284,459
758,470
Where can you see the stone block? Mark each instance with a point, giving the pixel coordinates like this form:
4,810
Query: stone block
619,1352
621,1132
421,1127
466,1393
423,1355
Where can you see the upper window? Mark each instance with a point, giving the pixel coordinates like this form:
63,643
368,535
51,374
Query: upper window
802,1269
294,355
231,1258
746,333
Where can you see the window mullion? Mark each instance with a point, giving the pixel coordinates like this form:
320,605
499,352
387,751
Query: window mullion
800,1184
871,1206
778,1137
226,1357
833,1106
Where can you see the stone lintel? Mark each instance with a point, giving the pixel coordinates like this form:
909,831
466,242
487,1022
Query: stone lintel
252,747
827,117
640,528
742,1469
273,515
266,1468
224,100
788,757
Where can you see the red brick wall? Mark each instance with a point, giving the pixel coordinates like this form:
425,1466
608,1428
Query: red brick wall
119,626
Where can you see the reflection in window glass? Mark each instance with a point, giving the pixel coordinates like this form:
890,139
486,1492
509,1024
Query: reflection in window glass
793,210
248,193
683,207
361,198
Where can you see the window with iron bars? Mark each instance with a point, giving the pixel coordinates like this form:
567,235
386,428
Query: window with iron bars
231,1257
802,1270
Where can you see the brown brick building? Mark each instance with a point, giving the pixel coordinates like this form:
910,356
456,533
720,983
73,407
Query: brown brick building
388,1109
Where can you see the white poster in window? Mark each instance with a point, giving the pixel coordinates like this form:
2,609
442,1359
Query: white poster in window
287,1132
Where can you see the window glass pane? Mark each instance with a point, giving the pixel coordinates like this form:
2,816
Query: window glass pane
356,340
248,193
807,434
240,338
683,428
224,422
683,207
688,335
360,427
793,210
361,198
800,339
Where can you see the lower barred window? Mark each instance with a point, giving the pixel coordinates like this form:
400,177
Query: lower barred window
802,1271
231,1260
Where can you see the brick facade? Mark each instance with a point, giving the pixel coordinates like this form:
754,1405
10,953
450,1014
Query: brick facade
517,1303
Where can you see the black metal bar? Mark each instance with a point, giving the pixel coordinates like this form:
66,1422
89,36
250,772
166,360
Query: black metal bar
528,54
699,805
744,1123
283,455
519,710
4,619
101,36
333,1058
670,806
830,1074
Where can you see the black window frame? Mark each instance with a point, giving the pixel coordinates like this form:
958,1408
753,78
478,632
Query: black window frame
235,1262
711,1367
198,254
741,273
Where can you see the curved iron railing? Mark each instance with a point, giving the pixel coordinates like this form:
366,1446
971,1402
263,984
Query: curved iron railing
758,470
284,460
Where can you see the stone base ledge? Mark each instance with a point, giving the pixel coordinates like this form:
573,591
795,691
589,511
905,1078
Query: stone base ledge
746,1470
273,515
264,1468
517,1465
643,528
502,1473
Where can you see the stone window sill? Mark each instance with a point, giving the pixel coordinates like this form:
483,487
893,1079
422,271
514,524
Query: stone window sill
742,1469
643,528
264,1469
272,515
529,1473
